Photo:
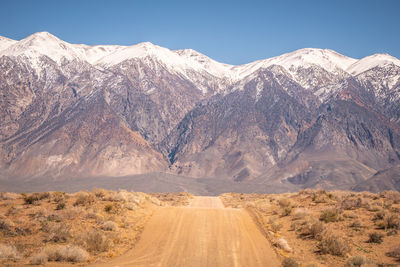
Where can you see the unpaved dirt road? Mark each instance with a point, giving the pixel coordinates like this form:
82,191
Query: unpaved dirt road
202,234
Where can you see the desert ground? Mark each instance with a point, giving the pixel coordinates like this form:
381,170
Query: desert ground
121,228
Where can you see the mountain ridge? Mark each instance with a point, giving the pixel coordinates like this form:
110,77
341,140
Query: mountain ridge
309,118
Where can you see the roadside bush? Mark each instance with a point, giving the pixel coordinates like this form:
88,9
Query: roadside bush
333,244
67,253
375,237
289,262
97,242
275,225
314,229
300,214
8,252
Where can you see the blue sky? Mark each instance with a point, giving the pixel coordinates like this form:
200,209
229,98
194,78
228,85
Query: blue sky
234,32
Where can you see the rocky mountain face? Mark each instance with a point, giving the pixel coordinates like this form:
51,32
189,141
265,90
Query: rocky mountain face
310,118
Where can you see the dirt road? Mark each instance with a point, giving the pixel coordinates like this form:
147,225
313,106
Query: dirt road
202,234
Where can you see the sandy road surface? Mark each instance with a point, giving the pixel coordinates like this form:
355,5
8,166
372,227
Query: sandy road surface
202,234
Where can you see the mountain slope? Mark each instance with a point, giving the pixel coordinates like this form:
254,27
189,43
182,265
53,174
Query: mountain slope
309,118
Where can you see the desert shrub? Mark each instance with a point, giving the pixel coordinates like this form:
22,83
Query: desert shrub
5,225
275,225
8,252
9,196
57,232
321,196
330,215
289,262
130,206
84,199
113,208
34,197
300,214
394,253
313,228
100,193
108,207
97,242
392,196
67,253
350,215
373,206
122,195
31,199
38,259
355,224
356,261
286,211
392,232
389,221
375,237
60,206
109,226
333,244
71,213
351,203
284,202
283,244
57,197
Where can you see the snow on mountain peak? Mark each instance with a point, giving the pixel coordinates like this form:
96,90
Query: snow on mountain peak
371,62
325,58
5,43
40,44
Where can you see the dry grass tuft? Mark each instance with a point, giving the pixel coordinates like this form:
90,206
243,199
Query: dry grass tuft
8,252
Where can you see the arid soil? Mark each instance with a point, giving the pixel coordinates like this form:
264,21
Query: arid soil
319,228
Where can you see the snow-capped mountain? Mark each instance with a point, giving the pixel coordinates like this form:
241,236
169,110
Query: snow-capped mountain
289,122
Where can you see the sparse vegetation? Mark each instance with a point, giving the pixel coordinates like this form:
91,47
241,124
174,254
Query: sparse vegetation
330,215
8,252
333,244
67,253
95,241
375,237
357,261
327,227
289,262
395,253
56,226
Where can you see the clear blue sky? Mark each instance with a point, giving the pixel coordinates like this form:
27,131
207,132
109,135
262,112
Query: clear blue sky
234,32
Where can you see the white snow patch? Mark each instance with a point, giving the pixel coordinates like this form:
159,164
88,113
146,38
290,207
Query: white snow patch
371,62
